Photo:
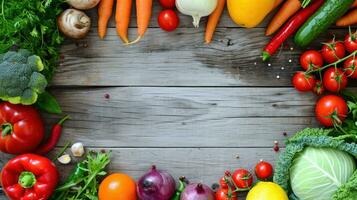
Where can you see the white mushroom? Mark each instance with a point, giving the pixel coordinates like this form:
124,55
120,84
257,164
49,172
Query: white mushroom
74,23
83,4
64,159
77,149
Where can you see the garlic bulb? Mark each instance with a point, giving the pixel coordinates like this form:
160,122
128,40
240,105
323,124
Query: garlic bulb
64,159
77,149
196,8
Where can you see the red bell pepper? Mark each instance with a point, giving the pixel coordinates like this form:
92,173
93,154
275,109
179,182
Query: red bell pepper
29,177
21,128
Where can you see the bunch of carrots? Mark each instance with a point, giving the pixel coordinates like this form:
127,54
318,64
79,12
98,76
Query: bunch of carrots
122,17
291,7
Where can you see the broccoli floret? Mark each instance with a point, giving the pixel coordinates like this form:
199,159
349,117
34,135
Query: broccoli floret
20,79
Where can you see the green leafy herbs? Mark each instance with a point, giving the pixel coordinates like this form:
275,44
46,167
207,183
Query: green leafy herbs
32,25
82,183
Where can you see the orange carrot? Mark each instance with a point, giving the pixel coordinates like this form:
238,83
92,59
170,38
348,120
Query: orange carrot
349,19
105,10
213,20
143,14
122,19
277,3
289,8
354,5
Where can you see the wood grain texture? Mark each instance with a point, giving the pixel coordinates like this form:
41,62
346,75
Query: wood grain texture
183,117
177,59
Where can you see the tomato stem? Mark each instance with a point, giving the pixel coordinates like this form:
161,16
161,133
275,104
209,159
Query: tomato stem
334,63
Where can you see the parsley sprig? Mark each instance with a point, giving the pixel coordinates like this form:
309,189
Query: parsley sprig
31,24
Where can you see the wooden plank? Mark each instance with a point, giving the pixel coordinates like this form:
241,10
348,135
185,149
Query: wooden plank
177,59
185,21
183,117
205,165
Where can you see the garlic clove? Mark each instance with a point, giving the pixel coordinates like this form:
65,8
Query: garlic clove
64,159
77,149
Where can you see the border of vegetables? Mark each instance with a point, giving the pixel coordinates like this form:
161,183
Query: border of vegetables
36,30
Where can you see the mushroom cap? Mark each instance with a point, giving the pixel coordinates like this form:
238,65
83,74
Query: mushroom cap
74,23
83,4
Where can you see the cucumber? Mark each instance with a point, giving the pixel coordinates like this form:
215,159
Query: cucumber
319,22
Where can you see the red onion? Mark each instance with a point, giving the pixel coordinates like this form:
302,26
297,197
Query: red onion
197,192
156,185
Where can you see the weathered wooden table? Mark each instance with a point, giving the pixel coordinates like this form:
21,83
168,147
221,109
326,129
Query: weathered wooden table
190,108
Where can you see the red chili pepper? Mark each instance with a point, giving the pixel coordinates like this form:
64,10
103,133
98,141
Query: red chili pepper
290,28
53,139
29,177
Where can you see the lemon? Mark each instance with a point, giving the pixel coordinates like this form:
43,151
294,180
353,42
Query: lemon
267,191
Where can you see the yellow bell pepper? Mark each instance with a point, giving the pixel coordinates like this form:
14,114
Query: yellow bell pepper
249,13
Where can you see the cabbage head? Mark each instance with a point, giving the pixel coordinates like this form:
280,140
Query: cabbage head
317,173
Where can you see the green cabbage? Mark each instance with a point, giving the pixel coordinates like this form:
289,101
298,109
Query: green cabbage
317,173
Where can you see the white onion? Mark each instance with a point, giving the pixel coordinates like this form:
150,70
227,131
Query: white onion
196,8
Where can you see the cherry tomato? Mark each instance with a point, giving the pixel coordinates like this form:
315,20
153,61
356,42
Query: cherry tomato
168,20
242,178
350,67
351,42
263,170
117,186
331,109
168,3
226,194
334,79
332,51
223,183
311,59
319,88
303,82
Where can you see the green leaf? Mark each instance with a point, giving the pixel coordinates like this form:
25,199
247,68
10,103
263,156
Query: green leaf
48,103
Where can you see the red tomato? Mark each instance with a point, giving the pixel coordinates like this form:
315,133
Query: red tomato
168,20
332,51
350,67
331,109
225,194
303,82
223,183
242,178
351,42
319,88
168,3
263,170
334,79
311,59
